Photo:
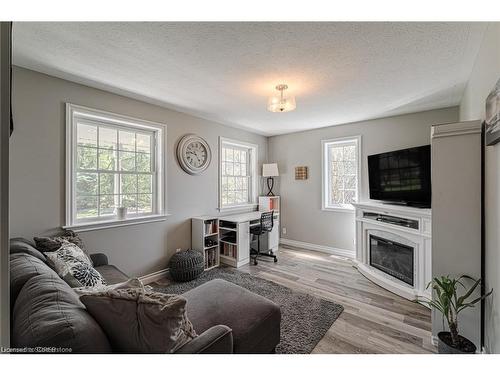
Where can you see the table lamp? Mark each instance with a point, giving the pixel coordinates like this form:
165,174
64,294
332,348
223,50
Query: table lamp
270,171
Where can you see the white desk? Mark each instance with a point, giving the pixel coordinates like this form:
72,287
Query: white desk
241,223
247,216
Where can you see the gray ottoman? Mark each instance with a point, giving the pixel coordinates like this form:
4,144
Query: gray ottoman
255,320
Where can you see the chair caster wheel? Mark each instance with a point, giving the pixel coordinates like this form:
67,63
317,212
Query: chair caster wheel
275,260
255,263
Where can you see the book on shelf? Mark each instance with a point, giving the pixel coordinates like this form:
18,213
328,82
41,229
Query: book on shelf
210,227
228,250
210,258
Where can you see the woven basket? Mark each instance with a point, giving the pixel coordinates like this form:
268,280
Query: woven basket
186,265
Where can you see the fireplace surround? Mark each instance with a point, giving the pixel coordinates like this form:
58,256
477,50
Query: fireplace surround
393,247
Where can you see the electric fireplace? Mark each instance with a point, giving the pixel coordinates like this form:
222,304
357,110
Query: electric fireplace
393,258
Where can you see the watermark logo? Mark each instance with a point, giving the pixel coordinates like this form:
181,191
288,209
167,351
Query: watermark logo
36,349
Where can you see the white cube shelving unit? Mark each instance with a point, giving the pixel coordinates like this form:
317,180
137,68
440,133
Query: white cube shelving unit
205,238
234,243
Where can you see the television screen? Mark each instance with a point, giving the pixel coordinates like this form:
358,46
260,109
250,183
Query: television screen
402,176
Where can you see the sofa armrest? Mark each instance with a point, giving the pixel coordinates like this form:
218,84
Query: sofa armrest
99,259
215,340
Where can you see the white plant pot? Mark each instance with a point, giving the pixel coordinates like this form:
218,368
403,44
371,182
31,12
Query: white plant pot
121,213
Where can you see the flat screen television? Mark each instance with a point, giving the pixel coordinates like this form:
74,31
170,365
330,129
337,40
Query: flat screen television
402,176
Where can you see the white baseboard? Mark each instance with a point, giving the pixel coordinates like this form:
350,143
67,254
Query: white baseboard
321,248
149,278
434,340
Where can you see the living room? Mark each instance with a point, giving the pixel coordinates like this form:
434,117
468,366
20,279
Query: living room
250,187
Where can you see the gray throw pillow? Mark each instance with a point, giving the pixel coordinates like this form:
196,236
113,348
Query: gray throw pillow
74,267
138,320
49,244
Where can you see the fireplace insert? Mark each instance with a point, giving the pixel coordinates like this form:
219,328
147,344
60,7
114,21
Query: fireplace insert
393,258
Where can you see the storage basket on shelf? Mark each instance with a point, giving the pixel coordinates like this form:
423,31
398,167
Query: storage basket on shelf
186,265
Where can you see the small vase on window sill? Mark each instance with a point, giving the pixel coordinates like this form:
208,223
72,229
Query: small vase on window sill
121,213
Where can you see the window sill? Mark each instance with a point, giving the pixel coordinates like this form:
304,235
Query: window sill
339,209
243,207
85,227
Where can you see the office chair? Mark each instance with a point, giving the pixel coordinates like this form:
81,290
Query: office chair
266,226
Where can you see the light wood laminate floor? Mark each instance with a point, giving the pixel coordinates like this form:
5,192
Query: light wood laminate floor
374,320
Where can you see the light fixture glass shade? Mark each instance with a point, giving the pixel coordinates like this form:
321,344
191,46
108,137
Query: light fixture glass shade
281,102
270,170
276,104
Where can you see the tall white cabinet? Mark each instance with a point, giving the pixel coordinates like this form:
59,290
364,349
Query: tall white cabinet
456,212
272,239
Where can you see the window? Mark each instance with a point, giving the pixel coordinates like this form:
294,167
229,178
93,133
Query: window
340,173
238,174
112,161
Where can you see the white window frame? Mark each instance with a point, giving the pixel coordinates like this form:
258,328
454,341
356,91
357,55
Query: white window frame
326,173
77,113
254,157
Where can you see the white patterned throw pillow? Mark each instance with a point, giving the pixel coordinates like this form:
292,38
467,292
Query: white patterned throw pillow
74,267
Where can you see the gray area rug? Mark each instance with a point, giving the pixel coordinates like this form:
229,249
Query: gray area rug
304,318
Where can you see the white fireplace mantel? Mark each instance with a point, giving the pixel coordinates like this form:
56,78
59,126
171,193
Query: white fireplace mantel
419,238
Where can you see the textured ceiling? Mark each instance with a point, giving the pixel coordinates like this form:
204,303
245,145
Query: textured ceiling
339,72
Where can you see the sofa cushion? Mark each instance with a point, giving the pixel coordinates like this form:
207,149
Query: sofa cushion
48,313
111,274
255,320
22,245
23,267
138,320
47,244
74,266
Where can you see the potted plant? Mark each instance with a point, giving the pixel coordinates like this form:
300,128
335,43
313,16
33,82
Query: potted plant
450,305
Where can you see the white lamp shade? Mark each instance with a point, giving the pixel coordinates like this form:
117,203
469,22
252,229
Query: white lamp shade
270,170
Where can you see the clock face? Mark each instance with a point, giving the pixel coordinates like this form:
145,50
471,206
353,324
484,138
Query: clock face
193,154
196,154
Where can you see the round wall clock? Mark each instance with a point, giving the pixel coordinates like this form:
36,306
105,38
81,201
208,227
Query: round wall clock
193,154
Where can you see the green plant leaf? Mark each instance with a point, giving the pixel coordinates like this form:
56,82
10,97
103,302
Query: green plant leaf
469,292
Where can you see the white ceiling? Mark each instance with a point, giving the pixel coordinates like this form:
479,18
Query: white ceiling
339,72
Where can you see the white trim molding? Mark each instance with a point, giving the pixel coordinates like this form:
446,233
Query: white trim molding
76,114
239,208
326,177
152,277
455,128
321,248
86,227
253,165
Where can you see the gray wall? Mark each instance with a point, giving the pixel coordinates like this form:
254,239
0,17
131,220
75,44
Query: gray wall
301,200
484,76
38,168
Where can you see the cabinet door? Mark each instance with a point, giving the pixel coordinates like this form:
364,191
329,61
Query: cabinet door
243,241
274,237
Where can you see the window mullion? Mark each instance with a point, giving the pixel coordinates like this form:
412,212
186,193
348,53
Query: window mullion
330,174
117,166
98,177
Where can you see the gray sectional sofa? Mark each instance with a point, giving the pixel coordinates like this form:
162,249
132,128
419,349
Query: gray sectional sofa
47,313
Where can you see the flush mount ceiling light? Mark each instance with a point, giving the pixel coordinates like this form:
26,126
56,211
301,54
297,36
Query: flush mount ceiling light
281,103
